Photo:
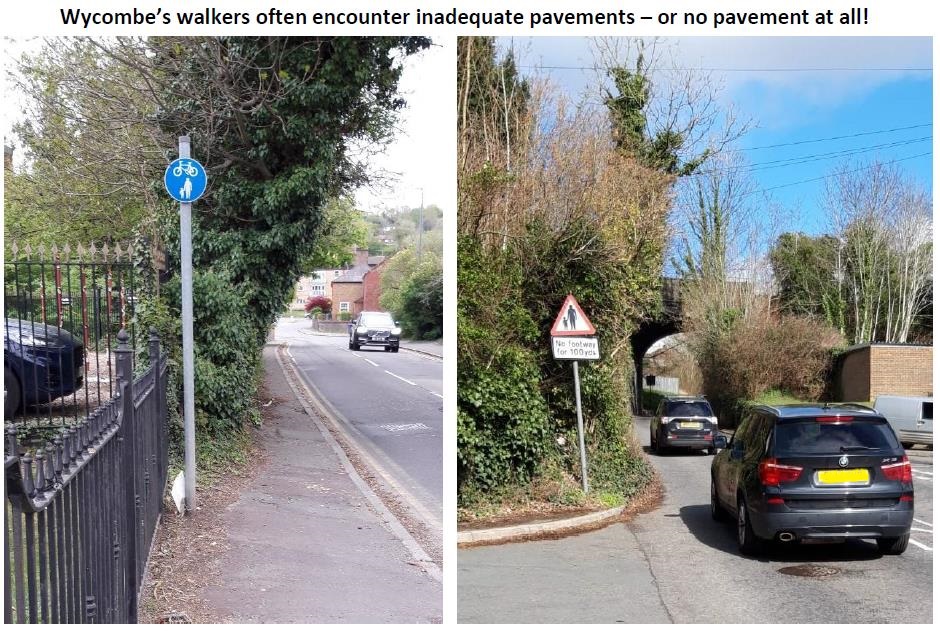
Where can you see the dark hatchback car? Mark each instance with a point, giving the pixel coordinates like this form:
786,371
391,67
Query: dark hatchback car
40,364
374,328
683,422
798,473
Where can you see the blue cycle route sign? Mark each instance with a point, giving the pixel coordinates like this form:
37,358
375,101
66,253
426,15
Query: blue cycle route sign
185,180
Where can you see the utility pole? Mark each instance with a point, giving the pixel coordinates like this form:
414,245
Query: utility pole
420,225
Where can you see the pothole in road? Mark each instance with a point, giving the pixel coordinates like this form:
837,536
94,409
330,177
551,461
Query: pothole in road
809,570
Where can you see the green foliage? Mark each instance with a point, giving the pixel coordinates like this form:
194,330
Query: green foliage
806,271
422,302
414,293
627,108
502,417
279,123
341,230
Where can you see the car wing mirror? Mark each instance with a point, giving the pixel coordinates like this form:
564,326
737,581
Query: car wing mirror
721,441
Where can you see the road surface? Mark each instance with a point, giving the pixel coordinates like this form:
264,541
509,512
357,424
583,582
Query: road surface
391,403
676,564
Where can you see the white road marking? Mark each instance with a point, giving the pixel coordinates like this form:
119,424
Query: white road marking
920,477
930,530
407,427
365,358
920,545
922,472
402,378
919,521
439,396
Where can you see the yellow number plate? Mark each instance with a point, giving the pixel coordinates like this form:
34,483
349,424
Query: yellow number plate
843,476
690,425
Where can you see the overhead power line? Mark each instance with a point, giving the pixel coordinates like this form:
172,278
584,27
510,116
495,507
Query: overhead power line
857,135
719,69
816,157
825,177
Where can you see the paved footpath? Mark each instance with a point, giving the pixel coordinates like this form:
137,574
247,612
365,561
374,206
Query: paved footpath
305,544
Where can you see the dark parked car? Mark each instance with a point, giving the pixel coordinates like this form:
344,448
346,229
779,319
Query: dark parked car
40,363
374,328
683,422
801,472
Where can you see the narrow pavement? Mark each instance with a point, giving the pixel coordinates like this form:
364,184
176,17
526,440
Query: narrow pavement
305,541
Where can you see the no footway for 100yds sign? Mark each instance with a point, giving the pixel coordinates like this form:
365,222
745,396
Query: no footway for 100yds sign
571,334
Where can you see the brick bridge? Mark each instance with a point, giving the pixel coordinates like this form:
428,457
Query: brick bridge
666,323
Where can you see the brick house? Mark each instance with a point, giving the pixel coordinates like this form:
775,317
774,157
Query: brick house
358,289
865,371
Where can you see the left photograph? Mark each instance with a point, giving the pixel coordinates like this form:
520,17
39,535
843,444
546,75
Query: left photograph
223,323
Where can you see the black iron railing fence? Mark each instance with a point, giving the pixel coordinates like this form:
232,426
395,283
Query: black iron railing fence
81,510
63,308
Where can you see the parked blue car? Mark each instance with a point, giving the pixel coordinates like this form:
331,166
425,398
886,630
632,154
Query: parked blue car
40,364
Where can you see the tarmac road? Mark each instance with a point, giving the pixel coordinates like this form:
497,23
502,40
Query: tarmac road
391,403
677,565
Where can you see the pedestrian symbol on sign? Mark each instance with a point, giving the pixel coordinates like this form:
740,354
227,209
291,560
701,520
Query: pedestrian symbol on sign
571,320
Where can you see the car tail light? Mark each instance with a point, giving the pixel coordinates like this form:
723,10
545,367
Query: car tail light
907,497
833,419
899,471
773,474
775,500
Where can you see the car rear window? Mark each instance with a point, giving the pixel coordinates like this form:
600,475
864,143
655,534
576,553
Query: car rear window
688,408
813,437
377,319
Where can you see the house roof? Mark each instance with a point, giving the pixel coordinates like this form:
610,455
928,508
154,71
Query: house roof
353,274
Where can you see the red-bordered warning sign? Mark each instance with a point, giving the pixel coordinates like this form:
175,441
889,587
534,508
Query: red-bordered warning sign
571,320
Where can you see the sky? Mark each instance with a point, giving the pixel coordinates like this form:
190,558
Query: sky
412,164
799,92
414,161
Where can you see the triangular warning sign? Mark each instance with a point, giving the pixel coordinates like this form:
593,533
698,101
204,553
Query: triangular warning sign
571,320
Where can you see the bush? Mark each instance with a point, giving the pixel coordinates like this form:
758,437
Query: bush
324,304
764,351
226,353
422,302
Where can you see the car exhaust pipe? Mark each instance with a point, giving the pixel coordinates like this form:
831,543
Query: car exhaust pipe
786,536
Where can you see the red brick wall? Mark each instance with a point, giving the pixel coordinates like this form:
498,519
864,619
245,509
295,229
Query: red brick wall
372,288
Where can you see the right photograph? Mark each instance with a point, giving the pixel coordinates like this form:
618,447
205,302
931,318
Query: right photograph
694,329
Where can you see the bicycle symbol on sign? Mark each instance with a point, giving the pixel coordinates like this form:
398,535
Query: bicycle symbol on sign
185,167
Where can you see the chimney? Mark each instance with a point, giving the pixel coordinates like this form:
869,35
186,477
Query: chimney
362,256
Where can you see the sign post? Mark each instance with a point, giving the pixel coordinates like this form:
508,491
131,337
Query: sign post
185,181
572,339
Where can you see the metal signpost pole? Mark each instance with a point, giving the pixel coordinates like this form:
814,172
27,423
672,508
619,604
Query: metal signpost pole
189,403
577,400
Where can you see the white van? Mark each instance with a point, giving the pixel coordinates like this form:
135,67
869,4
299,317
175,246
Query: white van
911,417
